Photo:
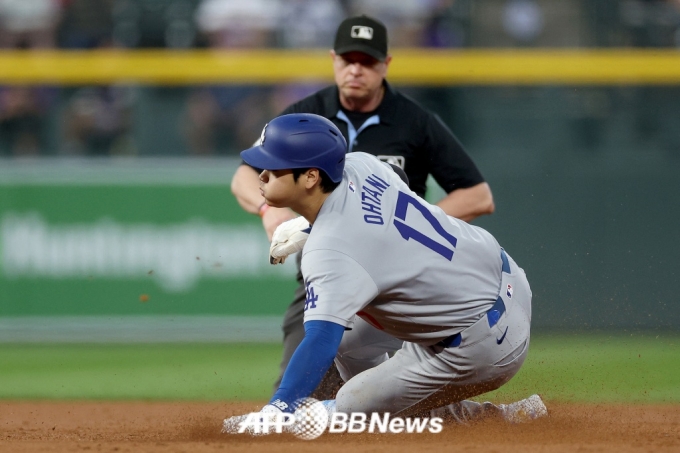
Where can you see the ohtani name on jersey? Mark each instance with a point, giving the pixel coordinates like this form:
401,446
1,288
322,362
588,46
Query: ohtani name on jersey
371,199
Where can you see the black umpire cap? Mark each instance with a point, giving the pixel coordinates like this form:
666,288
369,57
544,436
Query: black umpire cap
362,34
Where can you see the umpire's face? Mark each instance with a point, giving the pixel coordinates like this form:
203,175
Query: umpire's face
359,76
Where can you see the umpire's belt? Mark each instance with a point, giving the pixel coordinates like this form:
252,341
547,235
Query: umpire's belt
492,315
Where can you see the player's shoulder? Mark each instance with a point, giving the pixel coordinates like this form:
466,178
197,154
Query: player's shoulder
331,235
360,156
362,169
359,161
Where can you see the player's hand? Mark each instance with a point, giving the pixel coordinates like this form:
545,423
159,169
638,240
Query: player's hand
274,217
234,425
288,238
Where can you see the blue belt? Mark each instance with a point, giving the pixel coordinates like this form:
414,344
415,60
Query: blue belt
492,315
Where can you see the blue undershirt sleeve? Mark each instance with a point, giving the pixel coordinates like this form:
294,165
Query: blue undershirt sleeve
309,363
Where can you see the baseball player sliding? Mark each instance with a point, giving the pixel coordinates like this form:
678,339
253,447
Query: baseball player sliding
419,310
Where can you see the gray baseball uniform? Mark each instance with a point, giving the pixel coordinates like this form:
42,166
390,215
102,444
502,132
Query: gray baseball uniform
445,288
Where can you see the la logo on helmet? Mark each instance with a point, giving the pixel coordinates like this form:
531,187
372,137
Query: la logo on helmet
262,135
362,32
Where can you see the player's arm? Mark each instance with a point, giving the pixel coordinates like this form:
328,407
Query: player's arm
245,185
337,288
312,358
307,366
469,196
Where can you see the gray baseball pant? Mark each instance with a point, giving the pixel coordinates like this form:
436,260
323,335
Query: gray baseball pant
420,378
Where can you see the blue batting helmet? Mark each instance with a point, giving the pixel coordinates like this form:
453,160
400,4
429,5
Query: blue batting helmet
299,140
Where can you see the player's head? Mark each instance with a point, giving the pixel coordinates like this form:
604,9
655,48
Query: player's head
300,141
360,60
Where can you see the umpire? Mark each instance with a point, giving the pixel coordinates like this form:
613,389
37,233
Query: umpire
376,119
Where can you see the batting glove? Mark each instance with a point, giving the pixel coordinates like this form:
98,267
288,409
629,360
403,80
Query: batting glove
288,238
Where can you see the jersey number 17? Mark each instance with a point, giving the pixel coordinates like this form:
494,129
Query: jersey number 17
407,232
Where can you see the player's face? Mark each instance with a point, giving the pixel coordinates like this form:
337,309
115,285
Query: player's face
278,187
359,76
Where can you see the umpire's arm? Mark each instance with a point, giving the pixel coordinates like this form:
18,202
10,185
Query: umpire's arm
469,203
245,185
469,196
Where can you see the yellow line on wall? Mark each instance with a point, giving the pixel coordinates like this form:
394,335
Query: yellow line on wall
410,66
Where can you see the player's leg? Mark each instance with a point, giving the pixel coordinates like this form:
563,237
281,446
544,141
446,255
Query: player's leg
518,411
361,348
364,347
516,294
466,411
421,378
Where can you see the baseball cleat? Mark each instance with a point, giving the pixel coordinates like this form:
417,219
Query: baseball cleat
525,410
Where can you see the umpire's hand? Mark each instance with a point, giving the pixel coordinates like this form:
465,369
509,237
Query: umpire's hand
273,217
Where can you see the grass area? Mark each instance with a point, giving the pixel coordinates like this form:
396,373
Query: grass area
642,368
567,367
139,371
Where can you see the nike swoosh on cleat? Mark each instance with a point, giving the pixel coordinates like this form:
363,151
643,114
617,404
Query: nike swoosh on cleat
500,340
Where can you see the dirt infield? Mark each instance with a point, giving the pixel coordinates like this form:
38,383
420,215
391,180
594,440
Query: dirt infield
194,427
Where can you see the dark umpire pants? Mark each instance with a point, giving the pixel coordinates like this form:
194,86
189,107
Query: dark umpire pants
293,333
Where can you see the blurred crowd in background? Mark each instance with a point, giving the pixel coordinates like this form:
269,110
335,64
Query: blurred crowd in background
219,120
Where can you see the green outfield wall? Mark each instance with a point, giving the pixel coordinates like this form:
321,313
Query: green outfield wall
596,233
159,240
153,238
